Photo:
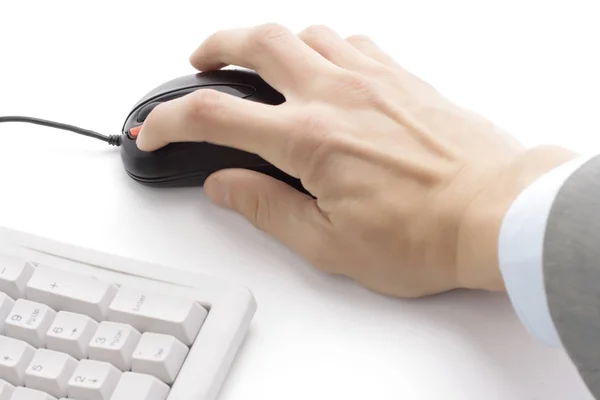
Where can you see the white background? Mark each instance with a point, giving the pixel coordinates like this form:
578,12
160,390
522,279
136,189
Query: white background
532,66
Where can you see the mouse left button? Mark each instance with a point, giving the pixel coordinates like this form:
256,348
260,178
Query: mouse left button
146,110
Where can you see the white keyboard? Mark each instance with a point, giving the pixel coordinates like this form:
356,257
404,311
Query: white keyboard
84,325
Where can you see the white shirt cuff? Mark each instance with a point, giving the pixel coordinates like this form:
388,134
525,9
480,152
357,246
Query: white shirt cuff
520,250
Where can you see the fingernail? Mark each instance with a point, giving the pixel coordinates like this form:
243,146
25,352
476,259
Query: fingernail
217,192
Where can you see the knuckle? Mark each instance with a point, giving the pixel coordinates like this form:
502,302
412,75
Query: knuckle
215,41
360,40
319,38
316,31
206,104
266,37
257,210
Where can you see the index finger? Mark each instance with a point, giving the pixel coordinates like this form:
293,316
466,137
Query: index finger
208,115
274,52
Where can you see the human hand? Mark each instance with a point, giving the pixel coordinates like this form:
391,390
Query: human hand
410,188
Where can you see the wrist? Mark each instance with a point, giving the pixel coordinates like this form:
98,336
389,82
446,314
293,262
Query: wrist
477,250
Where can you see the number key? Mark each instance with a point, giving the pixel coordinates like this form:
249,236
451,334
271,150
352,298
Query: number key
15,356
29,322
71,334
49,371
95,380
114,343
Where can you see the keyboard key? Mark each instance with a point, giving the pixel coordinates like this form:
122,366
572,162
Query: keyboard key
159,355
134,386
153,312
71,334
22,393
50,371
69,330
114,343
6,305
15,356
14,275
6,390
93,380
64,291
29,322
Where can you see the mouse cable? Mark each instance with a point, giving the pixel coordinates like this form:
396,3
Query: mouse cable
113,140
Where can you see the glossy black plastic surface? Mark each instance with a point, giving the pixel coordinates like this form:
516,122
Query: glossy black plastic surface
189,164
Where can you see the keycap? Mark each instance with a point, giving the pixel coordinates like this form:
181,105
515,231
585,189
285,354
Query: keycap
153,312
134,386
15,356
159,355
114,343
71,334
64,291
6,305
29,322
93,380
6,390
71,320
22,393
14,275
50,371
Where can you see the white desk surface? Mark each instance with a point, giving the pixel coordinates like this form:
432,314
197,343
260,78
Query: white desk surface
531,66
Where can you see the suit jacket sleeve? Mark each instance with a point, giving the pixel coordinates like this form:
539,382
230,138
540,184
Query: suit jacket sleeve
571,260
549,254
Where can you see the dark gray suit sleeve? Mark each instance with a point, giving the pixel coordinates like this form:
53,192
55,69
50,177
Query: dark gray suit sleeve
571,264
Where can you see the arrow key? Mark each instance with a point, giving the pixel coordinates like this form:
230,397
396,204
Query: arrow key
93,380
71,333
15,356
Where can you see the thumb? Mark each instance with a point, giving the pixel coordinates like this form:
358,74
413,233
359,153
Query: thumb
272,206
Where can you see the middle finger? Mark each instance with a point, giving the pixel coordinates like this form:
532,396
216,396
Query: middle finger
274,52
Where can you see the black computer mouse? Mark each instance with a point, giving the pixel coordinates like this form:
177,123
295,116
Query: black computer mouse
189,164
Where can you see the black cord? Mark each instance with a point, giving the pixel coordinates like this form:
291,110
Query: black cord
113,140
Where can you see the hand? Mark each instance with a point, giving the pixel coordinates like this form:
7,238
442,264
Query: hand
410,188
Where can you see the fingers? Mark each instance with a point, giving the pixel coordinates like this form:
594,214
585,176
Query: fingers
210,116
334,48
366,46
278,55
272,206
